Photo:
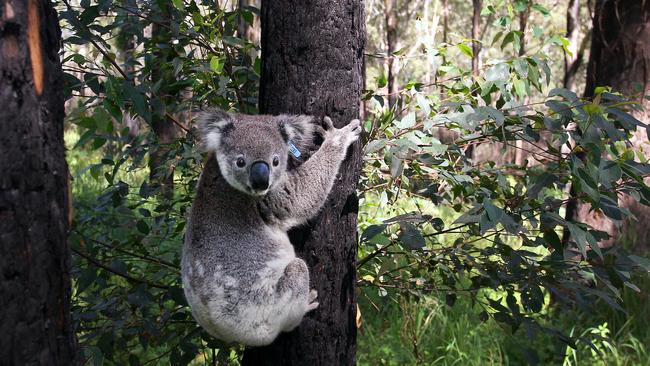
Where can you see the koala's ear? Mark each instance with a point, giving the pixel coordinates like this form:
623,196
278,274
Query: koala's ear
213,124
299,130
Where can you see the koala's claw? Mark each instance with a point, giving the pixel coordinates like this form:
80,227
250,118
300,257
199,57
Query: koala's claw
313,294
328,123
311,304
343,136
354,126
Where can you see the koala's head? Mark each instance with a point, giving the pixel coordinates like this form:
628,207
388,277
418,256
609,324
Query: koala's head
252,151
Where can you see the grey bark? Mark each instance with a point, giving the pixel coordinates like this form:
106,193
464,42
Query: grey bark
35,321
312,55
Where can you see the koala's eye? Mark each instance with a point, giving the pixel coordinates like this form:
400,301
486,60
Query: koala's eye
276,160
241,162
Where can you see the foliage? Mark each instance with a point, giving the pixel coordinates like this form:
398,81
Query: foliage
126,236
508,233
429,332
434,217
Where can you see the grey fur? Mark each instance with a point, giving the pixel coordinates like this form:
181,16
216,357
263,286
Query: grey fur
240,274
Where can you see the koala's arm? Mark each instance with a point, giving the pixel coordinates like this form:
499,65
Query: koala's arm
305,190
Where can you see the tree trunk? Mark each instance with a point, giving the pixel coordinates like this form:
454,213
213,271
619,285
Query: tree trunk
620,58
127,48
390,20
520,145
476,29
35,321
161,175
312,58
573,60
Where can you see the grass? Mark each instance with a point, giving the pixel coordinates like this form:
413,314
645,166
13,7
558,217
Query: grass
428,332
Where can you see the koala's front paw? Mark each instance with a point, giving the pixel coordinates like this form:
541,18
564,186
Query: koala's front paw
311,303
342,136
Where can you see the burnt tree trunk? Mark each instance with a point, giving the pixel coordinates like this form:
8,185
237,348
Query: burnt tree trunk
620,58
161,174
311,63
35,321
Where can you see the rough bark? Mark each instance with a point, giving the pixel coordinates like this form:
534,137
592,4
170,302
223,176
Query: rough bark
620,58
35,321
311,63
161,175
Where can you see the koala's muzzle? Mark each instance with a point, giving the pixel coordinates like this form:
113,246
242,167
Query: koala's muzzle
260,175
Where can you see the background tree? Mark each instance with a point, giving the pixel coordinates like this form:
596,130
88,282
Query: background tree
317,71
620,58
452,251
36,324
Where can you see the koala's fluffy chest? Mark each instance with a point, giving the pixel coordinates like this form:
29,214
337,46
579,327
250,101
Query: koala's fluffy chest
236,265
228,280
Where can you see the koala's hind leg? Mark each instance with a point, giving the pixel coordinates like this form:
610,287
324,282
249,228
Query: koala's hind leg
295,283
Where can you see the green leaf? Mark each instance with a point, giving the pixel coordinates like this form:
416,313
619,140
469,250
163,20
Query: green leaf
467,50
178,4
382,81
233,41
372,231
520,88
540,8
142,227
407,122
641,262
410,236
374,145
216,64
423,103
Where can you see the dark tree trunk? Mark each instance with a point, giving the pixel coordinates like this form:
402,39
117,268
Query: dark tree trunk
35,320
390,23
523,25
620,58
311,63
161,175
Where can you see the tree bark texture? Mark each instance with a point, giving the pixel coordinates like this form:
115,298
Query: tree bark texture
312,54
35,321
620,58
160,173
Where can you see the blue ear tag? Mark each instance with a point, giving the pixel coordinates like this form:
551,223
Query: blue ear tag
294,150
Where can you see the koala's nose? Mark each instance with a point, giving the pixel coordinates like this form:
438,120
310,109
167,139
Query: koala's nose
260,175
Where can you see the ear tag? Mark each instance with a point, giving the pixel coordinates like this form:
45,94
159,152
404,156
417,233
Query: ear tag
294,150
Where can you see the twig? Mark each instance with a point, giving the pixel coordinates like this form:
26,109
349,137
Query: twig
124,275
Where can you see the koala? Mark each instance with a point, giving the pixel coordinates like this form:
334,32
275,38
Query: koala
241,276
